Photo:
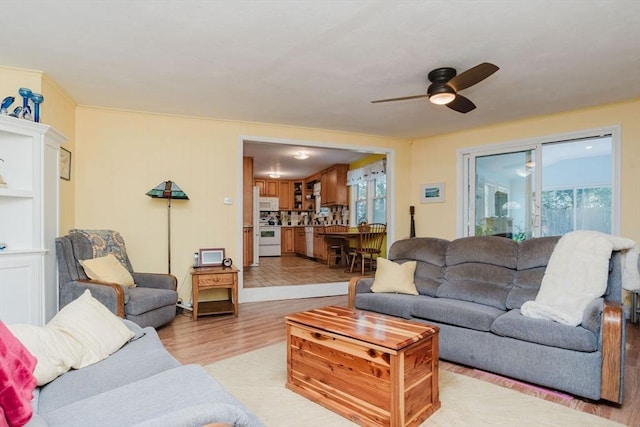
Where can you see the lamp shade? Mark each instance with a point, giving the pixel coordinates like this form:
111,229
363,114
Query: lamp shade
167,190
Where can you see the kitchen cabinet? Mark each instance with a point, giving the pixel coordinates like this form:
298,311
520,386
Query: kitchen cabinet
334,190
247,190
300,243
288,244
268,187
285,194
299,196
247,246
29,218
319,245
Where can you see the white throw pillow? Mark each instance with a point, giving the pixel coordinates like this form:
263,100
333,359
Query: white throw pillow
56,352
107,269
99,331
82,333
392,277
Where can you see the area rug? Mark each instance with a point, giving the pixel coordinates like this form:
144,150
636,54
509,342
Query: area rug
257,379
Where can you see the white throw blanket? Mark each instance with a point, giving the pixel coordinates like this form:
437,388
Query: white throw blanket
577,274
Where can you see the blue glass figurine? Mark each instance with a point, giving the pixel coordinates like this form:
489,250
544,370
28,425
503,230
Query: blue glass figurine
25,93
37,100
16,112
26,113
4,107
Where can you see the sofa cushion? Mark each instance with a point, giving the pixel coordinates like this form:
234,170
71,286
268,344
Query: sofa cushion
139,402
533,256
540,331
430,254
142,300
398,305
142,358
395,278
455,312
480,269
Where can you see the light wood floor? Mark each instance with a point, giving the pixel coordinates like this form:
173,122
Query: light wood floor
260,324
294,270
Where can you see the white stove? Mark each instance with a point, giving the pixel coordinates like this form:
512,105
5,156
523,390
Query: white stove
270,239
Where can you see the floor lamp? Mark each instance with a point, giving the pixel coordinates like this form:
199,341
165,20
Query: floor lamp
168,190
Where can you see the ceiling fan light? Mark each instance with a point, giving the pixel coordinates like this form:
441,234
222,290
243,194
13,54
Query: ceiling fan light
301,155
442,98
274,175
441,94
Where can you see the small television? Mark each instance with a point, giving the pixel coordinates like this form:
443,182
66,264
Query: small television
209,257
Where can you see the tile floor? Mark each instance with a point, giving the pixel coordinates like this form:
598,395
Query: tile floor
294,270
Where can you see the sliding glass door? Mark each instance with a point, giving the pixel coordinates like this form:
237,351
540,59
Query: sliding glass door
544,189
503,194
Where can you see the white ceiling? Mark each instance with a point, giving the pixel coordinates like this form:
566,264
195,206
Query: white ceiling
319,63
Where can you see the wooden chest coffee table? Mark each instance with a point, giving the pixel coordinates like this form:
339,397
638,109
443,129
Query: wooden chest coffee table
372,369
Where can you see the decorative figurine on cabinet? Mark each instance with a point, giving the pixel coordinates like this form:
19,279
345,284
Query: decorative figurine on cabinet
6,103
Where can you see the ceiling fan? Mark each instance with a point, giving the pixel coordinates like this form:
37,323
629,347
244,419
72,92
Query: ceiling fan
445,85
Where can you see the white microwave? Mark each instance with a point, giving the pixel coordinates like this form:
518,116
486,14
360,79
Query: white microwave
269,204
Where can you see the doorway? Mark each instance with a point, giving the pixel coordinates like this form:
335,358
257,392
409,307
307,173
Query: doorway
306,288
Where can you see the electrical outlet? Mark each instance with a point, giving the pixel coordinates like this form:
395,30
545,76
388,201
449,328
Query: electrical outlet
184,306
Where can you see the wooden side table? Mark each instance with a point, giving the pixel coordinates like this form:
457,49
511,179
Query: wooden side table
214,278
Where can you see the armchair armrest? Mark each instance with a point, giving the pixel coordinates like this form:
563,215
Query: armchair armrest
156,280
112,295
613,324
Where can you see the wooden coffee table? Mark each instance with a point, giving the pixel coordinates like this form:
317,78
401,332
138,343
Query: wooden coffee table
372,369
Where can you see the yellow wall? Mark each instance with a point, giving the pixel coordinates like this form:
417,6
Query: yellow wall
122,154
434,160
58,111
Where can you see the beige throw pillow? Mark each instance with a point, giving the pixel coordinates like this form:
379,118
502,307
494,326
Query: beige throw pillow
55,351
82,333
392,277
107,269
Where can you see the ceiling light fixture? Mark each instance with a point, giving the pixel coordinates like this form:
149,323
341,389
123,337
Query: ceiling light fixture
441,94
301,155
274,175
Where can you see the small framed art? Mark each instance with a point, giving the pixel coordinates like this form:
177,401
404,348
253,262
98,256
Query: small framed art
432,193
65,164
209,257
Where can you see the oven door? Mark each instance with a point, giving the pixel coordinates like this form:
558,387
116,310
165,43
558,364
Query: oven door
269,235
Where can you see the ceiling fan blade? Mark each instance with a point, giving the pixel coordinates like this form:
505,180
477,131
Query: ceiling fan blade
400,99
472,76
461,104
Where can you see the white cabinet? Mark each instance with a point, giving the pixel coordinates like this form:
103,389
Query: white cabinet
29,218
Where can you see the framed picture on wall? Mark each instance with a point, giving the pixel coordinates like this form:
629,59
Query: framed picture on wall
65,164
432,193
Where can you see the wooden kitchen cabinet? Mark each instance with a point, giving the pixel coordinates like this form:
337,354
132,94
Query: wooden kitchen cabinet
247,246
285,195
334,190
268,187
299,242
319,244
247,190
288,244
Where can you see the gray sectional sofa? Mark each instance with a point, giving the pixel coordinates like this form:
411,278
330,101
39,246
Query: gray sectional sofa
139,385
473,288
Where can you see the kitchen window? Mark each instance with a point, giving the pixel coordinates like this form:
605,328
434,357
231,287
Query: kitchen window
368,187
